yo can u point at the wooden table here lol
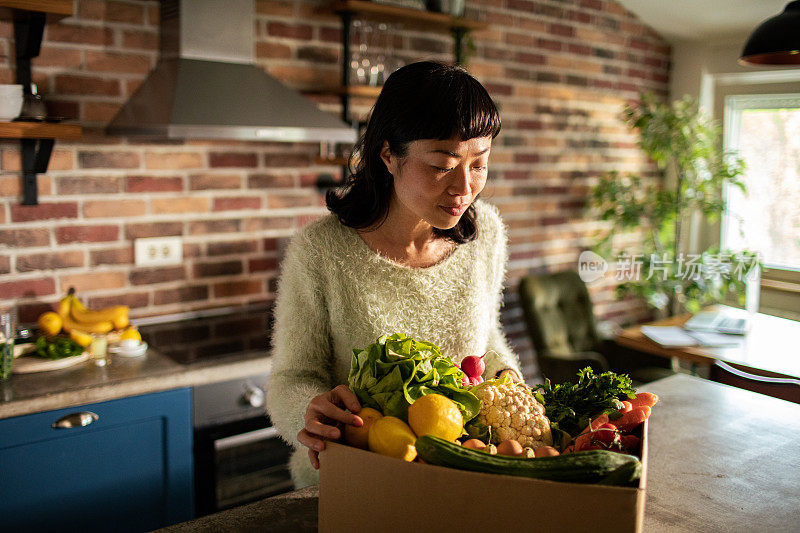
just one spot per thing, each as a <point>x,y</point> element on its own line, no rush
<point>772,345</point>
<point>721,459</point>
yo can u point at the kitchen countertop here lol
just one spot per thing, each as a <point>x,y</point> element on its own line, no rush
<point>123,376</point>
<point>720,459</point>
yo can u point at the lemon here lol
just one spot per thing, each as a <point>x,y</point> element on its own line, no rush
<point>359,437</point>
<point>131,333</point>
<point>50,323</point>
<point>391,436</point>
<point>437,415</point>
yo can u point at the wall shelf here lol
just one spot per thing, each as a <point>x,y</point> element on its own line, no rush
<point>54,8</point>
<point>39,130</point>
<point>398,13</point>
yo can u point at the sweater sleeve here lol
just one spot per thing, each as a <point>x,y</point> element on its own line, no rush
<point>500,356</point>
<point>301,351</point>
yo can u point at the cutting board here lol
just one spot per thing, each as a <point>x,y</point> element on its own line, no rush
<point>28,364</point>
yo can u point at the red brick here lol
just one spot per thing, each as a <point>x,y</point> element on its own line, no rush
<point>5,264</point>
<point>268,181</point>
<point>273,51</point>
<point>11,186</point>
<point>330,35</point>
<point>44,211</point>
<point>146,40</point>
<point>21,238</point>
<point>88,185</point>
<point>290,31</point>
<point>54,56</point>
<point>262,264</point>
<point>100,61</point>
<point>50,261</point>
<point>153,229</point>
<point>28,288</point>
<point>86,85</point>
<point>237,288</point>
<point>100,111</point>
<point>291,199</point>
<point>286,160</point>
<point>132,300</point>
<point>181,205</point>
<point>92,9</point>
<point>153,184</point>
<point>275,7</point>
<point>181,295</point>
<point>28,313</point>
<point>233,159</point>
<point>200,182</point>
<point>269,223</point>
<point>204,227</point>
<point>124,12</point>
<point>70,33</point>
<point>92,281</point>
<point>226,268</point>
<point>111,159</point>
<point>231,247</point>
<point>173,160</point>
<point>68,234</point>
<point>235,203</point>
<point>114,208</point>
<point>111,256</point>
<point>147,276</point>
<point>561,30</point>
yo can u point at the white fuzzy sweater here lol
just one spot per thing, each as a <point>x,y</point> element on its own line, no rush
<point>336,294</point>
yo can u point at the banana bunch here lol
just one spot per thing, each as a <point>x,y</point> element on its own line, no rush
<point>80,321</point>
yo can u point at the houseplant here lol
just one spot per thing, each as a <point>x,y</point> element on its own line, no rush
<point>693,171</point>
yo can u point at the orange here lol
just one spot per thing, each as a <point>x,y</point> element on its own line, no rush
<point>359,436</point>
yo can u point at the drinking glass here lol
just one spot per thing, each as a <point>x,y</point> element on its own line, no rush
<point>6,344</point>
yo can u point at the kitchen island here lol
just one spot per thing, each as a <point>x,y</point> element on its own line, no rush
<point>721,459</point>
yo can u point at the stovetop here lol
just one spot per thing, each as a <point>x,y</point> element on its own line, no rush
<point>189,340</point>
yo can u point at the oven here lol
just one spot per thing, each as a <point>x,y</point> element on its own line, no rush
<point>238,455</point>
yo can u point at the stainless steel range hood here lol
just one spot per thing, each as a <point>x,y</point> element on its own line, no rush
<point>206,84</point>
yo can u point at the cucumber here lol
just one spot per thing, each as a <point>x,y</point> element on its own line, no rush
<point>589,466</point>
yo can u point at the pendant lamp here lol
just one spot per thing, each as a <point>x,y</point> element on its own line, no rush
<point>776,41</point>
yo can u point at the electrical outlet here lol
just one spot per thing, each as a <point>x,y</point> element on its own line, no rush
<point>158,251</point>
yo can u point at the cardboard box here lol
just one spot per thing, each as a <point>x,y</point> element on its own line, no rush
<point>364,491</point>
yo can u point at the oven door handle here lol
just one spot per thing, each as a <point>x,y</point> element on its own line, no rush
<point>245,438</point>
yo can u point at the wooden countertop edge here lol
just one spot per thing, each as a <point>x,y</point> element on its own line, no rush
<point>185,377</point>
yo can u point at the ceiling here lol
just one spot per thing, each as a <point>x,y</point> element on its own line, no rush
<point>704,20</point>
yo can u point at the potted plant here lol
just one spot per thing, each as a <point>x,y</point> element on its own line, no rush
<point>693,171</point>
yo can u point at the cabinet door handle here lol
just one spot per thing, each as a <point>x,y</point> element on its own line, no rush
<point>75,420</point>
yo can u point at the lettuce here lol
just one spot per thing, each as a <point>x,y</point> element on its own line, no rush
<point>392,373</point>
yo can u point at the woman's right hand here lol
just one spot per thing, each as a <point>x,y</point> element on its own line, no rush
<point>322,415</point>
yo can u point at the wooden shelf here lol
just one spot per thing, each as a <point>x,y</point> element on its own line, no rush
<point>39,130</point>
<point>365,91</point>
<point>405,14</point>
<point>56,8</point>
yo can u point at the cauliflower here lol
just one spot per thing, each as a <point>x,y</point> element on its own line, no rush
<point>511,411</point>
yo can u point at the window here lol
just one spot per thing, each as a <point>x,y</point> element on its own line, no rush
<point>765,131</point>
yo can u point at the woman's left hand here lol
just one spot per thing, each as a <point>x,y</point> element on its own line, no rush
<point>513,373</point>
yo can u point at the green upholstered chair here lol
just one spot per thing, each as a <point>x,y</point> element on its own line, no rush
<point>560,321</point>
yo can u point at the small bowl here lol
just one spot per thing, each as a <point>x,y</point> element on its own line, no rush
<point>129,348</point>
<point>10,106</point>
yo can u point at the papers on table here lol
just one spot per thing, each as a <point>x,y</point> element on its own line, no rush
<point>673,336</point>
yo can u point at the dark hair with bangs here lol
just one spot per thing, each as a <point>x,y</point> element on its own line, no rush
<point>424,100</point>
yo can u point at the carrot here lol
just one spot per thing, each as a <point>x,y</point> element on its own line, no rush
<point>626,406</point>
<point>633,418</point>
<point>585,438</point>
<point>644,399</point>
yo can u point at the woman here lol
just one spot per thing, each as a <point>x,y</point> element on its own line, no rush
<point>407,249</point>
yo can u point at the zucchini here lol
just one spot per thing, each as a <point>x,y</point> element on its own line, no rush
<point>589,466</point>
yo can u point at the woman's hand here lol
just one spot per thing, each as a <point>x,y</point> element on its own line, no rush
<point>323,413</point>
<point>512,373</point>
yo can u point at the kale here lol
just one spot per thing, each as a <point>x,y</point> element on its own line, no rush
<point>571,406</point>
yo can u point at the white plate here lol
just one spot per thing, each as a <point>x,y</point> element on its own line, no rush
<point>129,352</point>
<point>29,364</point>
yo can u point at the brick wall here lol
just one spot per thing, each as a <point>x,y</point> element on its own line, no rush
<point>559,70</point>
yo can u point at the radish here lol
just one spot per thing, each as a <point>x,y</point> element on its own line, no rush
<point>473,365</point>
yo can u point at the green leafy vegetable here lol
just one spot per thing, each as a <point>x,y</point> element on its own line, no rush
<point>57,347</point>
<point>571,406</point>
<point>392,373</point>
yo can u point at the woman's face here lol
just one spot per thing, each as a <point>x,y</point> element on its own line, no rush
<point>437,180</point>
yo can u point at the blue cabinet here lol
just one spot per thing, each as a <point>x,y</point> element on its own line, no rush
<point>130,469</point>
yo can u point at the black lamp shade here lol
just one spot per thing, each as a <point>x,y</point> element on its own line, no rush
<point>776,41</point>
